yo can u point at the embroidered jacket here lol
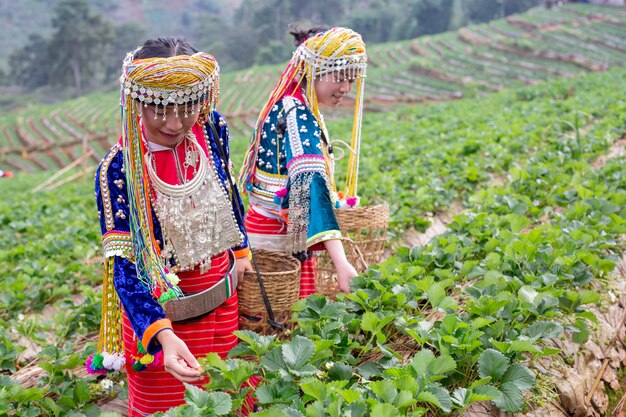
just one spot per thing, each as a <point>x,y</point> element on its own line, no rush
<point>144,312</point>
<point>292,175</point>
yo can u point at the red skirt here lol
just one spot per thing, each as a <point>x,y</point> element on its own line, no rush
<point>256,222</point>
<point>155,389</point>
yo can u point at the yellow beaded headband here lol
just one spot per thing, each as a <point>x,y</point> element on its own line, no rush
<point>191,81</point>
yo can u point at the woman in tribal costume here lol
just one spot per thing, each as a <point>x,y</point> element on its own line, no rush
<point>289,166</point>
<point>171,226</point>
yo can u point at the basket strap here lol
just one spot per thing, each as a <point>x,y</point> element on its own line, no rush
<point>266,300</point>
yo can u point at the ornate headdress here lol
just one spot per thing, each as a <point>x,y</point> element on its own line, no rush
<point>338,52</point>
<point>190,84</point>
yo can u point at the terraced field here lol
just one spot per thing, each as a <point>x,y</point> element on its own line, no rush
<point>540,45</point>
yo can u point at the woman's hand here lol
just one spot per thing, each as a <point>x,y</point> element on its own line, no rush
<point>345,273</point>
<point>177,358</point>
<point>242,265</point>
<point>345,270</point>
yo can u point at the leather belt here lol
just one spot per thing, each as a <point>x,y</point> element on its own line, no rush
<point>194,305</point>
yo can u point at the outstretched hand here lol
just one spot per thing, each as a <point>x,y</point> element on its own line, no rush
<point>177,358</point>
<point>345,272</point>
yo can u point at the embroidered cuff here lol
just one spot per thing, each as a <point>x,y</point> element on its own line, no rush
<point>147,341</point>
<point>241,253</point>
<point>116,243</point>
<point>322,237</point>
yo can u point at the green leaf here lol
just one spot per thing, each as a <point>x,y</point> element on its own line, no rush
<point>241,372</point>
<point>460,397</point>
<point>214,360</point>
<point>291,412</point>
<point>421,361</point>
<point>510,399</point>
<point>369,370</point>
<point>52,406</point>
<point>582,334</point>
<point>316,389</point>
<point>428,397</point>
<point>480,322</point>
<point>403,400</point>
<point>520,376</point>
<point>543,330</point>
<point>349,395</point>
<point>369,322</point>
<point>278,392</point>
<point>221,403</point>
<point>527,294</point>
<point>273,360</point>
<point>81,392</point>
<point>306,370</point>
<point>436,294</point>
<point>442,395</point>
<point>196,396</point>
<point>340,371</point>
<point>488,390</point>
<point>523,345</point>
<point>442,365</point>
<point>385,389</point>
<point>588,297</point>
<point>297,353</point>
<point>67,402</point>
<point>492,364</point>
<point>407,383</point>
<point>385,410</point>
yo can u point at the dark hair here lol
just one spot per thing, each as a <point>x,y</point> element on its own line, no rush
<point>164,48</point>
<point>300,35</point>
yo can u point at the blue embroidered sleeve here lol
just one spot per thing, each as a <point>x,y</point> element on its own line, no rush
<point>323,224</point>
<point>142,310</point>
<point>222,171</point>
<point>308,182</point>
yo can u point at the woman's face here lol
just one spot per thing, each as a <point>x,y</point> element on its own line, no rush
<point>171,131</point>
<point>330,90</point>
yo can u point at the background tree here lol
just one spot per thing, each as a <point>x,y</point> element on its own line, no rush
<point>28,63</point>
<point>126,37</point>
<point>77,45</point>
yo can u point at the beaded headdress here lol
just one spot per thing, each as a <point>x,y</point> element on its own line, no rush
<point>189,82</point>
<point>190,85</point>
<point>338,52</point>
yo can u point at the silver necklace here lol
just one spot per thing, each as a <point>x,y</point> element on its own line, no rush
<point>196,217</point>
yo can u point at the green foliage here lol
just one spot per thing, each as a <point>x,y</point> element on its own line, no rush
<point>432,329</point>
<point>438,327</point>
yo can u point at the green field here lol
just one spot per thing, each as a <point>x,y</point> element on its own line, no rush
<point>524,153</point>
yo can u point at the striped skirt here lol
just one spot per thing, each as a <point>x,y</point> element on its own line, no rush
<point>257,223</point>
<point>155,389</point>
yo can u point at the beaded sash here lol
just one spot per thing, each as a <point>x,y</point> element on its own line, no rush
<point>196,217</point>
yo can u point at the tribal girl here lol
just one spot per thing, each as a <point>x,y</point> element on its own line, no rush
<point>289,166</point>
<point>172,229</point>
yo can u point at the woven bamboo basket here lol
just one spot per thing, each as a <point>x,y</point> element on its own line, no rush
<point>365,232</point>
<point>281,279</point>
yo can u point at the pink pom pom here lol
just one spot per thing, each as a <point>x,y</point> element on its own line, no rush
<point>282,193</point>
<point>92,371</point>
<point>351,201</point>
<point>158,358</point>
